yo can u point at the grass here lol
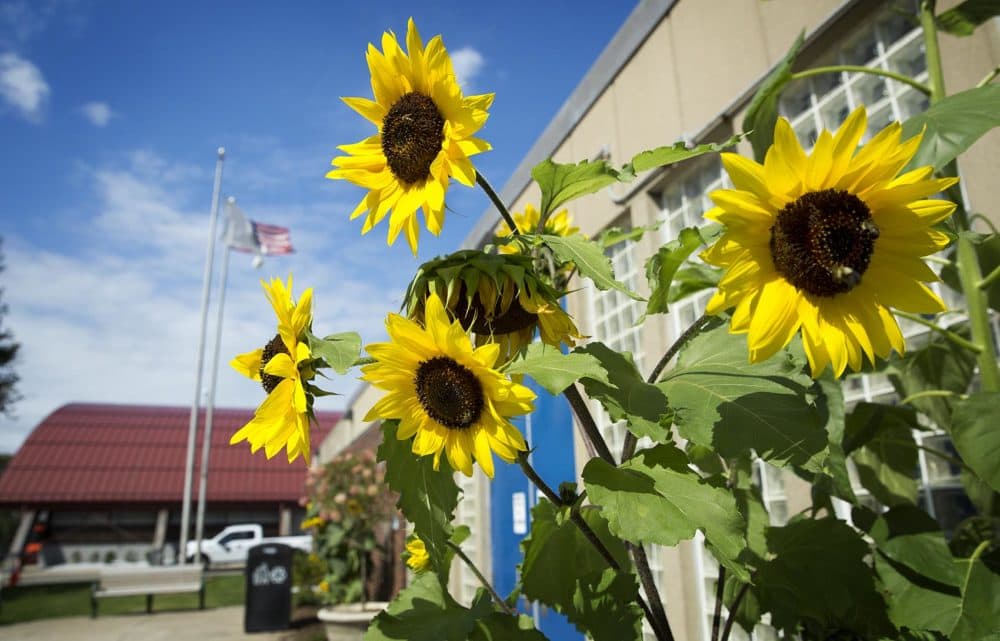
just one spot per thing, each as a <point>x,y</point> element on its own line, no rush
<point>22,604</point>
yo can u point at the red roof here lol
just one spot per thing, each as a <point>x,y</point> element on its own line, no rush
<point>90,453</point>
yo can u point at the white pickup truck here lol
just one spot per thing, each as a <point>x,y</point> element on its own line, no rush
<point>230,546</point>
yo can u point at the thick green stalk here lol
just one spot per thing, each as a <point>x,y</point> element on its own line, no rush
<point>873,71</point>
<point>932,49</point>
<point>979,320</point>
<point>497,202</point>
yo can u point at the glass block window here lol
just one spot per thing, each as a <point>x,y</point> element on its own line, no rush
<point>683,203</point>
<point>613,322</point>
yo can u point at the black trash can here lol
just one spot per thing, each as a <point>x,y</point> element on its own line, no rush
<point>268,604</point>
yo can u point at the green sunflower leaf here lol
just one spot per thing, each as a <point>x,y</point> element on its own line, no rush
<point>561,183</point>
<point>589,258</point>
<point>692,279</point>
<point>503,627</point>
<point>762,114</point>
<point>818,578</point>
<point>976,437</point>
<point>721,400</point>
<point>662,266</point>
<point>953,124</point>
<point>979,619</point>
<point>625,395</point>
<point>339,351</point>
<point>670,154</point>
<point>656,498</point>
<point>612,236</point>
<point>939,365</point>
<point>424,611</point>
<point>963,19</point>
<point>919,577</point>
<point>427,497</point>
<point>554,370</point>
<point>880,440</point>
<point>563,570</point>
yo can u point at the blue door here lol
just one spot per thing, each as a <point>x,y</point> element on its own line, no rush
<point>549,431</point>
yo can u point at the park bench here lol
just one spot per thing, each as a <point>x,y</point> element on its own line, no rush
<point>128,581</point>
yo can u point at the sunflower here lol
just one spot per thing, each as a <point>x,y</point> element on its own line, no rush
<point>558,224</point>
<point>417,557</point>
<point>499,298</point>
<point>282,420</point>
<point>445,393</point>
<point>425,136</point>
<point>827,243</point>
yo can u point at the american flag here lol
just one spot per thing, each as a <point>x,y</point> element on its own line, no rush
<point>272,239</point>
<point>245,235</point>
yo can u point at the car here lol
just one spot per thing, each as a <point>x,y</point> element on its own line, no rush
<point>230,546</point>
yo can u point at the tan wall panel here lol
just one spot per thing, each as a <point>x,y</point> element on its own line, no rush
<point>782,20</point>
<point>718,51</point>
<point>646,98</point>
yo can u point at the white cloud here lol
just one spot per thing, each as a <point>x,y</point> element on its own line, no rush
<point>116,317</point>
<point>467,63</point>
<point>98,113</point>
<point>22,86</point>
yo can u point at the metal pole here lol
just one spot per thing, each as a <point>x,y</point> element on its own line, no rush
<point>193,424</point>
<point>206,444</point>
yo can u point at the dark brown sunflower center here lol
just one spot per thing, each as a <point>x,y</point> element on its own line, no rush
<point>823,242</point>
<point>274,347</point>
<point>412,133</point>
<point>449,392</point>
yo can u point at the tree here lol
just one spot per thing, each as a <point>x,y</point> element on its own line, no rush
<point>8,352</point>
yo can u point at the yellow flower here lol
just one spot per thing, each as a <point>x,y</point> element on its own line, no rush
<point>558,224</point>
<point>445,394</point>
<point>417,558</point>
<point>827,243</point>
<point>282,420</point>
<point>311,523</point>
<point>425,136</point>
<point>324,586</point>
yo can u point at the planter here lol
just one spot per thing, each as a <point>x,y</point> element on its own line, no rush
<point>348,621</point>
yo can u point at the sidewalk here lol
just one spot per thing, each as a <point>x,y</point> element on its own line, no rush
<point>218,624</point>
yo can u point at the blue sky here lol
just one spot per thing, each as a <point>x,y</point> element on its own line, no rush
<point>110,115</point>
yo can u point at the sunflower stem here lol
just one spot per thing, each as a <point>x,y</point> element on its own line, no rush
<point>497,202</point>
<point>482,579</point>
<point>988,78</point>
<point>588,533</point>
<point>971,275</point>
<point>816,71</point>
<point>928,393</point>
<point>657,617</point>
<point>947,333</point>
<point>720,584</point>
<point>993,277</point>
<point>588,424</point>
<point>732,611</point>
<point>631,441</point>
<point>932,48</point>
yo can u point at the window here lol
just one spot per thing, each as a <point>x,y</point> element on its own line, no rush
<point>613,322</point>
<point>683,203</point>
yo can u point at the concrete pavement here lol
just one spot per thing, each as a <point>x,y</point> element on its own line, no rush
<point>217,624</point>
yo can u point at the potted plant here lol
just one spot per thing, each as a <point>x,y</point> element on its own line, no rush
<point>349,511</point>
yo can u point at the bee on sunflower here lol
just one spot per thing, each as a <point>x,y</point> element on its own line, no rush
<point>446,394</point>
<point>282,419</point>
<point>499,298</point>
<point>425,136</point>
<point>827,243</point>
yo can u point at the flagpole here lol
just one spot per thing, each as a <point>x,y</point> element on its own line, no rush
<point>193,423</point>
<point>206,443</point>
